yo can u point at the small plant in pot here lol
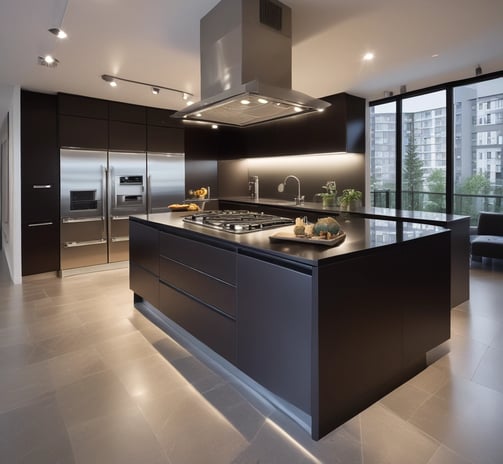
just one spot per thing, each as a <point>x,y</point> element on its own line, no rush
<point>329,195</point>
<point>350,198</point>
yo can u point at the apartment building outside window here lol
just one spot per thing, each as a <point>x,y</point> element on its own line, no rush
<point>461,175</point>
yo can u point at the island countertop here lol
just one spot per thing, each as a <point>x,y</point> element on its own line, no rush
<point>362,235</point>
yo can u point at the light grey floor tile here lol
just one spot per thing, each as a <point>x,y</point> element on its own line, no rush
<point>21,386</point>
<point>489,371</point>
<point>467,418</point>
<point>387,439</point>
<point>431,379</point>
<point>125,348</point>
<point>123,437</point>
<point>444,455</point>
<point>93,397</point>
<point>192,431</point>
<point>405,400</point>
<point>74,366</point>
<point>479,328</point>
<point>35,434</point>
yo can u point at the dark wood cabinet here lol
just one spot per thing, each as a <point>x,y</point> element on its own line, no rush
<point>165,139</point>
<point>78,132</point>
<point>162,117</point>
<point>340,128</point>
<point>40,247</point>
<point>39,183</point>
<point>86,107</point>
<point>127,136</point>
<point>127,113</point>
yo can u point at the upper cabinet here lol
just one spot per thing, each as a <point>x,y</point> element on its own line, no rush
<point>340,128</point>
<point>83,122</point>
<point>126,112</point>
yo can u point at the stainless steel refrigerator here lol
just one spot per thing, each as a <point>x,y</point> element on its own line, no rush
<point>100,190</point>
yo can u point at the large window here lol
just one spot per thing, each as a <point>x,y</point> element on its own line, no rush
<point>383,155</point>
<point>429,155</point>
<point>424,152</point>
<point>478,144</point>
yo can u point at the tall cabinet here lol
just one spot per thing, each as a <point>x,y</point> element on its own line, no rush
<point>39,183</point>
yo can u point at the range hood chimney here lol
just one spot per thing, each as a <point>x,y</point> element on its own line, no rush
<point>246,66</point>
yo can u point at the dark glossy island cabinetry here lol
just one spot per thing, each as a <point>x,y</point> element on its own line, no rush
<point>327,330</point>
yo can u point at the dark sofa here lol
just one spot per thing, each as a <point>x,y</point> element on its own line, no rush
<point>488,240</point>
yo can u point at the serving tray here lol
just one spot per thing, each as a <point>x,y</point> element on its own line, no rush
<point>337,240</point>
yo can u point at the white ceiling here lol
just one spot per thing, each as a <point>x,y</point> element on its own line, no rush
<point>157,41</point>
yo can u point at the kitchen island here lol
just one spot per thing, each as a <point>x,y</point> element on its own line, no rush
<point>326,330</point>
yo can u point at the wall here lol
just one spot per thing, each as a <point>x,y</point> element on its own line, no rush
<point>348,170</point>
<point>11,193</point>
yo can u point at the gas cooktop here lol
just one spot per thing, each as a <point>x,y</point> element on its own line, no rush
<point>237,221</point>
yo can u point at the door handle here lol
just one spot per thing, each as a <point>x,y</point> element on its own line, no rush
<point>76,220</point>
<point>39,224</point>
<point>120,239</point>
<point>86,243</point>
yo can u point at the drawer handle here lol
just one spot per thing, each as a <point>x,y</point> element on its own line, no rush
<point>120,218</point>
<point>75,220</point>
<point>87,243</point>
<point>120,239</point>
<point>40,186</point>
<point>39,224</point>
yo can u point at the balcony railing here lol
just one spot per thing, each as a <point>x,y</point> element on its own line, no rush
<point>464,203</point>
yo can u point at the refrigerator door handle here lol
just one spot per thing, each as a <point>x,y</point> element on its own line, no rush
<point>104,198</point>
<point>87,219</point>
<point>120,239</point>
<point>39,186</point>
<point>85,243</point>
<point>120,218</point>
<point>149,194</point>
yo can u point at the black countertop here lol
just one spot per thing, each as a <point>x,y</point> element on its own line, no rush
<point>376,213</point>
<point>362,235</point>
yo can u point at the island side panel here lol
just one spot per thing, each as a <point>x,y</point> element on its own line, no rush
<point>274,328</point>
<point>379,313</point>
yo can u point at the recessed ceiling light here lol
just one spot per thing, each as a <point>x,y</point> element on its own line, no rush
<point>198,115</point>
<point>435,55</point>
<point>297,109</point>
<point>263,101</point>
<point>48,60</point>
<point>369,56</point>
<point>58,32</point>
<point>214,126</point>
<point>245,102</point>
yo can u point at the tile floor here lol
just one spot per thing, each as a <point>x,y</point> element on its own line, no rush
<point>85,378</point>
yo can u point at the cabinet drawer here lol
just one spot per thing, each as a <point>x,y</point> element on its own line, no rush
<point>144,246</point>
<point>211,260</point>
<point>144,283</point>
<point>40,247</point>
<point>213,329</point>
<point>203,287</point>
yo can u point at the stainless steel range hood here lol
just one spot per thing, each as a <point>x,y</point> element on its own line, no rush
<point>246,66</point>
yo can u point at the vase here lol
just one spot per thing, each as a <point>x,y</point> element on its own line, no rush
<point>328,201</point>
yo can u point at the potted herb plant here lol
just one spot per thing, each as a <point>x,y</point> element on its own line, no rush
<point>329,195</point>
<point>350,198</point>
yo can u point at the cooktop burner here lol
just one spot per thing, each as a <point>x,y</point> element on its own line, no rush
<point>237,221</point>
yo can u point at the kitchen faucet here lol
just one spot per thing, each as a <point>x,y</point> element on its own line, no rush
<point>299,199</point>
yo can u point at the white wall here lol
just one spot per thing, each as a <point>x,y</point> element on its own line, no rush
<point>11,231</point>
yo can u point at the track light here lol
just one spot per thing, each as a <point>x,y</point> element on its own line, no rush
<point>58,32</point>
<point>155,89</point>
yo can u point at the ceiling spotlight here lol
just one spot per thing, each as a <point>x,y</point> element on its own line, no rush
<point>263,101</point>
<point>368,56</point>
<point>111,81</point>
<point>198,115</point>
<point>48,60</point>
<point>245,102</point>
<point>214,126</point>
<point>58,32</point>
<point>156,90</point>
<point>297,109</point>
<point>185,96</point>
